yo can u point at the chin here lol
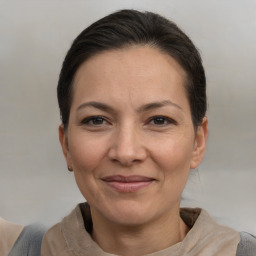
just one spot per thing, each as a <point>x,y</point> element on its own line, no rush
<point>130,219</point>
<point>130,214</point>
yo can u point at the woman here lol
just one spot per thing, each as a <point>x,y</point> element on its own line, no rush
<point>132,98</point>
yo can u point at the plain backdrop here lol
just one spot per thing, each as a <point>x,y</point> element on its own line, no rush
<point>35,185</point>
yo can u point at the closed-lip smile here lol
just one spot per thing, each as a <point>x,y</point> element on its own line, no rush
<point>127,184</point>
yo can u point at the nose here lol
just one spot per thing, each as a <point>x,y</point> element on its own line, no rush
<point>127,146</point>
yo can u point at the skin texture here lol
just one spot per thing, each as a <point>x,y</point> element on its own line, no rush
<point>130,116</point>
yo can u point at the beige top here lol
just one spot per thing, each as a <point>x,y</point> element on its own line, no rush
<point>206,237</point>
<point>9,232</point>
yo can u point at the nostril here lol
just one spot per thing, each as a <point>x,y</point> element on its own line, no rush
<point>126,147</point>
<point>127,159</point>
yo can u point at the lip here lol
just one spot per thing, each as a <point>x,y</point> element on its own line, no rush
<point>128,184</point>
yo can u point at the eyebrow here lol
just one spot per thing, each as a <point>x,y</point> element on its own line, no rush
<point>98,105</point>
<point>144,108</point>
<point>154,105</point>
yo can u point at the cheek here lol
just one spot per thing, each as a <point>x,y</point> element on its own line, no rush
<point>172,159</point>
<point>86,153</point>
<point>174,155</point>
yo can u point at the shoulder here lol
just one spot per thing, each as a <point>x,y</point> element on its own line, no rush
<point>68,236</point>
<point>29,241</point>
<point>53,242</point>
<point>53,235</point>
<point>9,232</point>
<point>57,238</point>
<point>247,245</point>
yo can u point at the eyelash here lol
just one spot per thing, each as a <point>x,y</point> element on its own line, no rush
<point>165,119</point>
<point>92,121</point>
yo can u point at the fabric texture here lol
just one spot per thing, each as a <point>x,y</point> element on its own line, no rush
<point>206,237</point>
<point>9,232</point>
<point>29,241</point>
<point>247,245</point>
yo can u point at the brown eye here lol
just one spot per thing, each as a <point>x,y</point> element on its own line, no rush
<point>94,120</point>
<point>161,120</point>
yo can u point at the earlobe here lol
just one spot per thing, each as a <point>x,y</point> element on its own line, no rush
<point>200,144</point>
<point>64,144</point>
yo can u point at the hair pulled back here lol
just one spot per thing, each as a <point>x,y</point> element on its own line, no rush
<point>130,27</point>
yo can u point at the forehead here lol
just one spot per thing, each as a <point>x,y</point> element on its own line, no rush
<point>142,54</point>
<point>143,70</point>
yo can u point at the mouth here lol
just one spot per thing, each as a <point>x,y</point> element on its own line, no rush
<point>127,184</point>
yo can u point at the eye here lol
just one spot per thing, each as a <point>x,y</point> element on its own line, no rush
<point>94,121</point>
<point>161,120</point>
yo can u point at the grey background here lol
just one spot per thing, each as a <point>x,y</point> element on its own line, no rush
<point>34,37</point>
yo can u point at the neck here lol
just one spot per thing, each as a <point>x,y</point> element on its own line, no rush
<point>140,239</point>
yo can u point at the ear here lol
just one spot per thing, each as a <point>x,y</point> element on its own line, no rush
<point>64,144</point>
<point>200,144</point>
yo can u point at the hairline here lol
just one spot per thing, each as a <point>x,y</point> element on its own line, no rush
<point>150,44</point>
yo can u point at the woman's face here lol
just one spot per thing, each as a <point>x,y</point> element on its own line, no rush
<point>130,138</point>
